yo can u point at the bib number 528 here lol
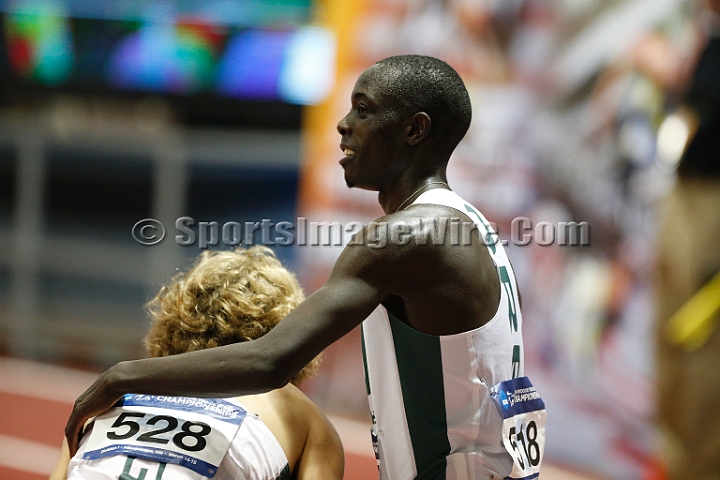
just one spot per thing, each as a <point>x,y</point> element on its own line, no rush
<point>189,436</point>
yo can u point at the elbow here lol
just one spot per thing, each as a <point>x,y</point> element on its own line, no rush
<point>276,370</point>
<point>283,372</point>
<point>276,376</point>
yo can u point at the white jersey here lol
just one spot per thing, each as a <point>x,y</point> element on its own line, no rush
<point>178,438</point>
<point>430,396</point>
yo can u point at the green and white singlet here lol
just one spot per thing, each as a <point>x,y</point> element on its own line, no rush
<point>433,416</point>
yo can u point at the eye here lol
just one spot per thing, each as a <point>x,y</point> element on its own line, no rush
<point>361,109</point>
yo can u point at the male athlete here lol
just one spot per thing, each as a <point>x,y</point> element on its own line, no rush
<point>450,326</point>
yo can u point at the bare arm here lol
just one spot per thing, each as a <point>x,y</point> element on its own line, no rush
<point>60,472</point>
<point>323,455</point>
<point>358,283</point>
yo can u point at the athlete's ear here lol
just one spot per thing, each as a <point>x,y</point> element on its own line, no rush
<point>419,128</point>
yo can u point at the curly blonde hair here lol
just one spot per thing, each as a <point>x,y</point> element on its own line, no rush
<point>226,297</point>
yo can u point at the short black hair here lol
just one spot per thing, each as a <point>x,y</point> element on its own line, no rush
<point>419,83</point>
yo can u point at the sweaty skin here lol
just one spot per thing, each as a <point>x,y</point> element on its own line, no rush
<point>420,284</point>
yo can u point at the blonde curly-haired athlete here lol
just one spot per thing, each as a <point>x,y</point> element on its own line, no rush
<point>227,297</point>
<point>230,297</point>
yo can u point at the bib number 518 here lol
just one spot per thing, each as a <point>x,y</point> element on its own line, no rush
<point>524,443</point>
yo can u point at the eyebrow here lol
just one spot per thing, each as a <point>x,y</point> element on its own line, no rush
<point>371,102</point>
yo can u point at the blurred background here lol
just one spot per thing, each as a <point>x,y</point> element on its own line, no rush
<point>114,111</point>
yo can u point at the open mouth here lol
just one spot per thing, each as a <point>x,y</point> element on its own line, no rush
<point>349,153</point>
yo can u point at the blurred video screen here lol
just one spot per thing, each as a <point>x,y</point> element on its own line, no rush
<point>266,50</point>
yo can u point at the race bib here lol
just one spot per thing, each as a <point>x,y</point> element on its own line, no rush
<point>523,429</point>
<point>192,432</point>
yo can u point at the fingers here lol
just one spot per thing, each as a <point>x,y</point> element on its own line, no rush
<point>74,425</point>
<point>72,433</point>
<point>96,399</point>
<point>77,420</point>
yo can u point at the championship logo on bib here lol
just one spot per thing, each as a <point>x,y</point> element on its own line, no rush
<point>523,430</point>
<point>192,432</point>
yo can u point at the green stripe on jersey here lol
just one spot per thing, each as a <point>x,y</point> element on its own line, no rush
<point>364,356</point>
<point>285,474</point>
<point>419,361</point>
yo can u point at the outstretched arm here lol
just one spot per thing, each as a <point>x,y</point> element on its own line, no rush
<point>357,284</point>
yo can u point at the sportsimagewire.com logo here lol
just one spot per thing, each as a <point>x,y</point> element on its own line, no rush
<point>303,232</point>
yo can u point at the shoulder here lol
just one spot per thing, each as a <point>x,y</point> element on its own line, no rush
<point>394,251</point>
<point>322,454</point>
<point>292,407</point>
<point>419,230</point>
<point>418,225</point>
<point>300,407</point>
<point>296,422</point>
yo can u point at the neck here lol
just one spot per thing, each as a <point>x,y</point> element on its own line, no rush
<point>404,193</point>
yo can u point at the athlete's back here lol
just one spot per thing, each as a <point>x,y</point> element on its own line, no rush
<point>281,433</point>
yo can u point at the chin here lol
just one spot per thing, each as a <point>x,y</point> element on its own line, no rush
<point>353,182</point>
<point>349,181</point>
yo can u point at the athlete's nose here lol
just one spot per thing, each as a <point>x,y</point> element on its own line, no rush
<point>343,127</point>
